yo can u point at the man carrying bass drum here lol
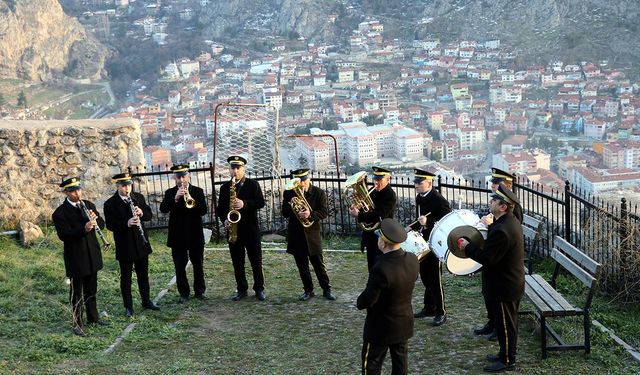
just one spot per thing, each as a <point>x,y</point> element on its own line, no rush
<point>431,206</point>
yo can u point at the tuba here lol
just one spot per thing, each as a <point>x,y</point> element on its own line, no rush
<point>233,216</point>
<point>298,202</point>
<point>359,196</point>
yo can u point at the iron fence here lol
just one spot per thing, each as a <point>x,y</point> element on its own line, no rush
<point>606,232</point>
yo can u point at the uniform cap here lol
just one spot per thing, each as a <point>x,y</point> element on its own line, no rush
<point>180,169</point>
<point>505,194</point>
<point>421,175</point>
<point>236,160</point>
<point>391,231</point>
<point>71,184</point>
<point>379,172</point>
<point>122,179</point>
<point>498,176</point>
<point>302,174</point>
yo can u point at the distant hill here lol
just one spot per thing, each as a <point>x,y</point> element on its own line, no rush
<point>39,42</point>
<point>540,29</point>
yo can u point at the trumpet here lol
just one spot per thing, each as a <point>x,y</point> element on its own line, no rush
<point>87,213</point>
<point>189,202</point>
<point>299,202</point>
<point>361,196</point>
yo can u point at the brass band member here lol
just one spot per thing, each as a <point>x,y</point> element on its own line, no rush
<point>384,200</point>
<point>498,177</point>
<point>247,202</point>
<point>430,207</point>
<point>304,241</point>
<point>82,256</point>
<point>502,262</point>
<point>186,204</point>
<point>387,298</point>
<point>124,213</point>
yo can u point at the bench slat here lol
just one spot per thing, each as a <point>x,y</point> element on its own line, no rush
<point>578,256</point>
<point>541,288</point>
<point>566,308</point>
<point>529,233</point>
<point>582,275</point>
<point>535,298</point>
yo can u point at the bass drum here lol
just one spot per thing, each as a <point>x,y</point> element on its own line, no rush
<point>416,244</point>
<point>438,240</point>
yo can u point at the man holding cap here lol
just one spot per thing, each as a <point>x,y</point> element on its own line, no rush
<point>384,201</point>
<point>82,256</point>
<point>502,259</point>
<point>247,202</point>
<point>124,213</point>
<point>387,298</point>
<point>430,207</point>
<point>186,204</point>
<point>305,242</point>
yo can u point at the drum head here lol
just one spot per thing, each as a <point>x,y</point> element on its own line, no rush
<point>471,233</point>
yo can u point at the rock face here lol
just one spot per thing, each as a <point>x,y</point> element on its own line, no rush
<point>36,155</point>
<point>38,42</point>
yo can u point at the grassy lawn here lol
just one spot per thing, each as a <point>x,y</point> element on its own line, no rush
<point>278,336</point>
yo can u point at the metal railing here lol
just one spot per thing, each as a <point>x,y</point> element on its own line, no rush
<point>606,232</point>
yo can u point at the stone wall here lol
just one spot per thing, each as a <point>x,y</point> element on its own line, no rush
<point>35,156</point>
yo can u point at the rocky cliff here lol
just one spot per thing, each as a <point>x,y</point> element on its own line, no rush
<point>38,42</point>
<point>36,155</point>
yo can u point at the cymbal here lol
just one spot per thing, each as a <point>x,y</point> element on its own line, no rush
<point>472,234</point>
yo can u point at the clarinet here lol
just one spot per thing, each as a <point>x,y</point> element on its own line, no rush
<point>133,212</point>
<point>87,213</point>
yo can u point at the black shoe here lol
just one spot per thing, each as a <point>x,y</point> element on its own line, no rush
<point>183,299</point>
<point>129,313</point>
<point>484,330</point>
<point>493,336</point>
<point>328,295</point>
<point>101,323</point>
<point>423,314</point>
<point>239,296</point>
<point>150,305</point>
<point>201,297</point>
<point>306,296</point>
<point>492,358</point>
<point>499,367</point>
<point>439,320</point>
<point>77,330</point>
<point>260,295</point>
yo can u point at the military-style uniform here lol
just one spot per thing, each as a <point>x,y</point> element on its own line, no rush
<point>185,236</point>
<point>387,298</point>
<point>502,260</point>
<point>436,206</point>
<point>384,202</point>
<point>82,255</point>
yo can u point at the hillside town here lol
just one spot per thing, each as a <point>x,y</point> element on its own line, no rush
<point>465,105</point>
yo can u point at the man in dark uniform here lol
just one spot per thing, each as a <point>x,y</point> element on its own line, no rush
<point>502,260</point>
<point>186,238</point>
<point>82,256</point>
<point>430,207</point>
<point>387,298</point>
<point>248,201</point>
<point>498,177</point>
<point>132,243</point>
<point>384,201</point>
<point>304,241</point>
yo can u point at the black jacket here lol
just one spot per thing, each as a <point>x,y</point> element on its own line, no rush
<point>250,193</point>
<point>384,202</point>
<point>185,224</point>
<point>387,298</point>
<point>82,256</point>
<point>433,204</point>
<point>128,240</point>
<point>296,233</point>
<point>502,259</point>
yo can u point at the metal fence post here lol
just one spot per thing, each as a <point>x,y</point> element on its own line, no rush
<point>567,211</point>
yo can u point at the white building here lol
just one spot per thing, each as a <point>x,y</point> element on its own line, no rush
<point>318,153</point>
<point>594,181</point>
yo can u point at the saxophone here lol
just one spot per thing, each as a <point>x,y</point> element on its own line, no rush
<point>233,216</point>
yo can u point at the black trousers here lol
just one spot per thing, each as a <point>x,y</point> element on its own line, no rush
<point>303,258</point>
<point>373,357</point>
<point>142,275</point>
<point>82,294</point>
<point>491,319</point>
<point>506,323</point>
<point>180,259</point>
<point>370,245</point>
<point>431,276</point>
<point>253,250</point>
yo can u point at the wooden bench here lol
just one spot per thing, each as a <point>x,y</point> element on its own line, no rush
<point>532,229</point>
<point>549,303</point>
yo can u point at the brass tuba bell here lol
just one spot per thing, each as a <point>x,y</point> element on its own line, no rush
<point>357,193</point>
<point>299,202</point>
